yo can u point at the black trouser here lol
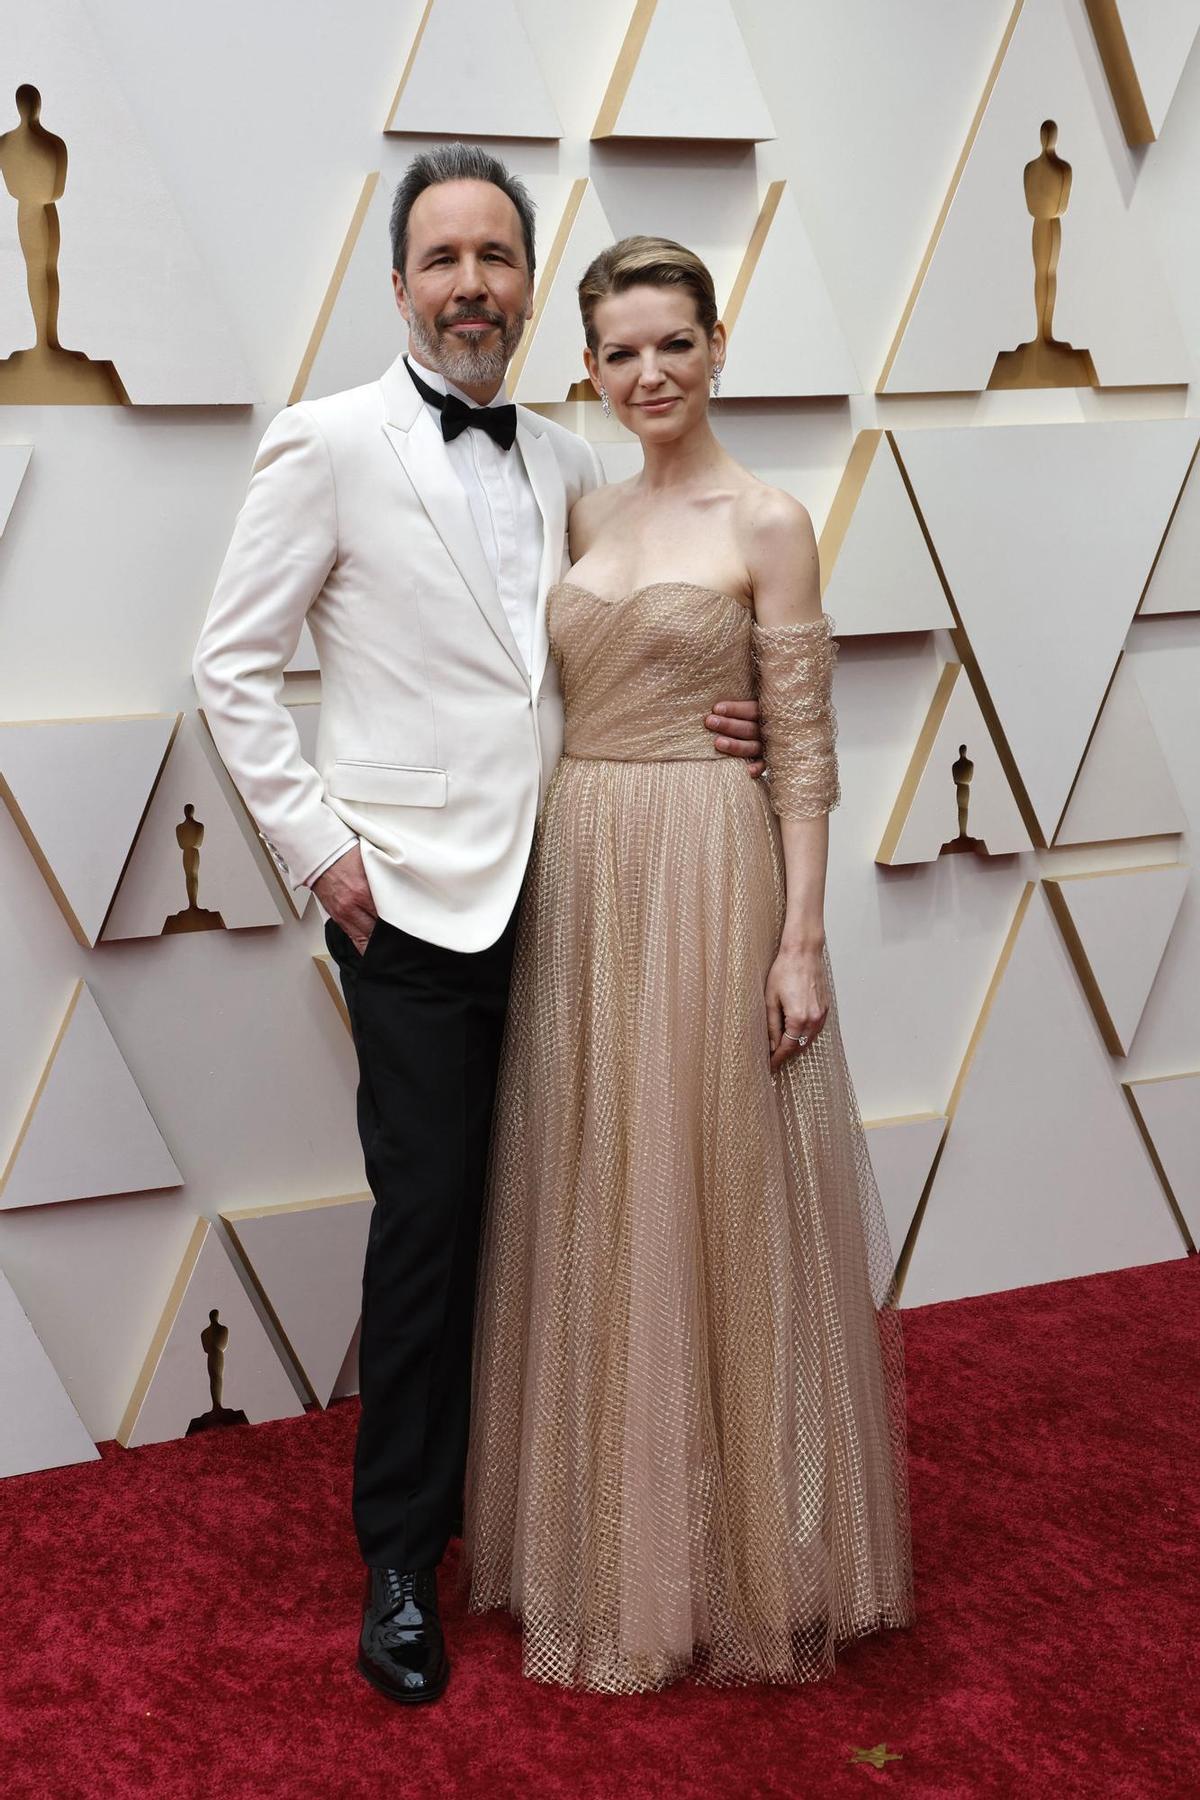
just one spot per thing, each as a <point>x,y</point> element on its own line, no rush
<point>427,1026</point>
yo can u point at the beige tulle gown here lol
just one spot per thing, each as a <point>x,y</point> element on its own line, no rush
<point>688,1446</point>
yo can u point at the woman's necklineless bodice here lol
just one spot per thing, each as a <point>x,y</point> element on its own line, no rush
<point>640,672</point>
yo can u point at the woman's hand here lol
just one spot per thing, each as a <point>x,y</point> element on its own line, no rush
<point>797,996</point>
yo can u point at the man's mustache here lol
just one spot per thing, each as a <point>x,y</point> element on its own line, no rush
<point>445,320</point>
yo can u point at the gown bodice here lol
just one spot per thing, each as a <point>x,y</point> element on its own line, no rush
<point>639,674</point>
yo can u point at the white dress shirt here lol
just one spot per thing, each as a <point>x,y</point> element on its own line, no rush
<point>504,510</point>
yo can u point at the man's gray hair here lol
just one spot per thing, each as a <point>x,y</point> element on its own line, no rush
<point>455,162</point>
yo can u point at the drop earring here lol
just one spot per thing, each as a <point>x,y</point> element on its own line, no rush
<point>605,403</point>
<point>716,379</point>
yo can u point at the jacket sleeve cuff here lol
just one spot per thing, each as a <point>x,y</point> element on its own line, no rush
<point>308,880</point>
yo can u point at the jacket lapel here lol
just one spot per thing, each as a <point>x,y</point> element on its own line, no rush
<point>418,444</point>
<point>545,478</point>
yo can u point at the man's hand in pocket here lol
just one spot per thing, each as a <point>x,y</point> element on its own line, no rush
<point>345,893</point>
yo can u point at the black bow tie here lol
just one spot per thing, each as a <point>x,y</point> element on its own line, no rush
<point>500,422</point>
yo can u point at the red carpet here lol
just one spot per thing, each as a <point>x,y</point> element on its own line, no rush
<point>179,1621</point>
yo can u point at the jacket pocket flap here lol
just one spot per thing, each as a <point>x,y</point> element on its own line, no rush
<point>386,784</point>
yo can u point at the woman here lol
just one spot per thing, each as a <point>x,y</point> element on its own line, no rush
<point>688,1438</point>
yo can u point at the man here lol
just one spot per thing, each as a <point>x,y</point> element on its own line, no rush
<point>417,527</point>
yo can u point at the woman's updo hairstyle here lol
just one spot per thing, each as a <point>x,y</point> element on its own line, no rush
<point>646,262</point>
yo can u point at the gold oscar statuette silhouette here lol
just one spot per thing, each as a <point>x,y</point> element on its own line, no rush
<point>33,163</point>
<point>962,770</point>
<point>1044,361</point>
<point>189,835</point>
<point>213,1340</point>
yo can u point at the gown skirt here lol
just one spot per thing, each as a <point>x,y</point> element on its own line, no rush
<point>688,1439</point>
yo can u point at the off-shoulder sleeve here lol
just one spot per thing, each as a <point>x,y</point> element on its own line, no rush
<point>794,664</point>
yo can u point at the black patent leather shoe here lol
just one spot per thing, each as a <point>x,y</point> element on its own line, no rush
<point>402,1651</point>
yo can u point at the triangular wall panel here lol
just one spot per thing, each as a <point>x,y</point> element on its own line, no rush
<point>307,1260</point>
<point>876,571</point>
<point>549,358</point>
<point>925,817</point>
<point>78,789</point>
<point>39,1427</point>
<point>133,291</point>
<point>1046,534</point>
<point>87,1130</point>
<point>1124,788</point>
<point>472,73</point>
<point>974,292</point>
<point>763,359</point>
<point>1115,925</point>
<point>154,887</point>
<point>1043,1175</point>
<point>174,1386</point>
<point>684,72</point>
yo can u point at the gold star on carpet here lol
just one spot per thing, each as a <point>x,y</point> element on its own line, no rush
<point>877,1756</point>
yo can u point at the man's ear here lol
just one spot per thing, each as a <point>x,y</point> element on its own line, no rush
<point>401,293</point>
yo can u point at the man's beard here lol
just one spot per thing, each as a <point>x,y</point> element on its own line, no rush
<point>460,359</point>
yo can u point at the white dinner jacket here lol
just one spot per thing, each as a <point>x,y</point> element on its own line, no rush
<point>435,742</point>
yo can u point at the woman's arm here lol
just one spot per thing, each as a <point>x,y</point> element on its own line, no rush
<point>794,655</point>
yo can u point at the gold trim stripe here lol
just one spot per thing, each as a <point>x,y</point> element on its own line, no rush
<point>162,1331</point>
<point>1156,1162</point>
<point>618,83</point>
<point>1060,907</point>
<point>906,1252</point>
<point>40,1089</point>
<point>1163,541</point>
<point>549,274</point>
<point>1113,46</point>
<point>325,969</point>
<point>408,67</point>
<point>335,285</point>
<point>231,1220</point>
<point>758,237</point>
<point>918,762</point>
<point>849,493</point>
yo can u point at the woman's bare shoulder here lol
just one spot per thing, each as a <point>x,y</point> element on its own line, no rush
<point>776,537</point>
<point>771,513</point>
<point>592,511</point>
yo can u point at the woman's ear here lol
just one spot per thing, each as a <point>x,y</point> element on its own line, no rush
<point>718,343</point>
<point>593,369</point>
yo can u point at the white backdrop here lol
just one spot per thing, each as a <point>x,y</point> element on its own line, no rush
<point>263,120</point>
